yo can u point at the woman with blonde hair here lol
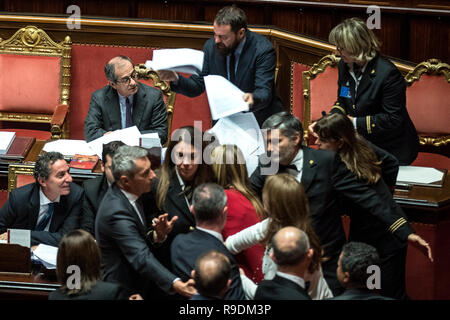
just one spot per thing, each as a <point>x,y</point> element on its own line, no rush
<point>372,91</point>
<point>285,204</point>
<point>78,252</point>
<point>244,207</point>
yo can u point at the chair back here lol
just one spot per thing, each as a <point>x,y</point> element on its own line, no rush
<point>20,175</point>
<point>320,85</point>
<point>35,79</point>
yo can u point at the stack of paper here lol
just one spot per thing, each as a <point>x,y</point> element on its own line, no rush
<point>242,130</point>
<point>6,138</point>
<point>69,147</point>
<point>224,97</point>
<point>130,136</point>
<point>47,255</point>
<point>179,60</point>
<point>412,175</point>
<point>150,140</point>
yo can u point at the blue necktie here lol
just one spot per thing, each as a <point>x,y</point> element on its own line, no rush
<point>41,225</point>
<point>128,116</point>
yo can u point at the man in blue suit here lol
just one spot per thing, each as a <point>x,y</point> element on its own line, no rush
<point>245,58</point>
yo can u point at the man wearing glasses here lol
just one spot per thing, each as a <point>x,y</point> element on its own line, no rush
<point>124,103</point>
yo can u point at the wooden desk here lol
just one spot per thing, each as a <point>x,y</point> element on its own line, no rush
<point>34,286</point>
<point>428,210</point>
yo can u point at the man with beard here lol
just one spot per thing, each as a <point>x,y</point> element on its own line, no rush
<point>124,103</point>
<point>245,58</point>
<point>325,178</point>
<point>50,207</point>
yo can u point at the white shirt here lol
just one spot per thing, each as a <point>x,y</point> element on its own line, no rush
<point>123,108</point>
<point>213,233</point>
<point>293,278</point>
<point>180,180</point>
<point>298,162</point>
<point>357,81</point>
<point>43,208</point>
<point>132,199</point>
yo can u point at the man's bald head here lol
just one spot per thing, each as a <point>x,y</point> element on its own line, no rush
<point>212,272</point>
<point>116,63</point>
<point>290,246</point>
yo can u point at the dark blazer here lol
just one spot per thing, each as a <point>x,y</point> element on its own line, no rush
<point>149,112</point>
<point>100,291</point>
<point>359,294</point>
<point>127,258</point>
<point>326,180</point>
<point>280,288</point>
<point>255,74</point>
<point>21,211</point>
<point>380,108</point>
<point>175,205</point>
<point>187,247</point>
<point>368,228</point>
<point>94,191</point>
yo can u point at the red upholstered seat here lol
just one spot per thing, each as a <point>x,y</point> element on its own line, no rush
<point>428,104</point>
<point>35,82</point>
<point>319,91</point>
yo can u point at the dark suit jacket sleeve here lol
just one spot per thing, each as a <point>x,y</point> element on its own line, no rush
<point>71,221</point>
<point>389,165</point>
<point>257,180</point>
<point>264,76</point>
<point>135,250</point>
<point>376,200</point>
<point>88,213</point>
<point>392,105</point>
<point>8,213</point>
<point>93,124</point>
<point>158,121</point>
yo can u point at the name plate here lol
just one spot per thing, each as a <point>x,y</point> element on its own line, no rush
<point>20,237</point>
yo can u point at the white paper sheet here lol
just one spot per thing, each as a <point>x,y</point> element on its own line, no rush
<point>412,174</point>
<point>47,255</point>
<point>224,97</point>
<point>178,60</point>
<point>242,130</point>
<point>6,138</point>
<point>130,136</point>
<point>150,140</point>
<point>69,147</point>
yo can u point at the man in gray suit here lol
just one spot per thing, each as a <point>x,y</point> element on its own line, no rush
<point>124,102</point>
<point>121,229</point>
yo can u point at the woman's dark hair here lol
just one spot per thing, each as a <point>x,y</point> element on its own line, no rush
<point>355,152</point>
<point>78,251</point>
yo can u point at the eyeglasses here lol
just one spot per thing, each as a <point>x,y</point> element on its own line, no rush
<point>127,80</point>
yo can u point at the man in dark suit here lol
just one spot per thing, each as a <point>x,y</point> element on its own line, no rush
<point>210,210</point>
<point>50,207</point>
<point>245,58</point>
<point>355,266</point>
<point>121,229</point>
<point>211,275</point>
<point>124,102</point>
<point>292,254</point>
<point>325,178</point>
<point>95,189</point>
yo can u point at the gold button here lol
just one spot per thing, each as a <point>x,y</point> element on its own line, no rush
<point>311,161</point>
<point>191,228</point>
<point>354,106</point>
<point>373,71</point>
<point>373,125</point>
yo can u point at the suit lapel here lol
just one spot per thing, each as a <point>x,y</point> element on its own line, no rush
<point>309,168</point>
<point>130,208</point>
<point>288,283</point>
<point>58,214</point>
<point>221,63</point>
<point>367,78</point>
<point>138,103</point>
<point>33,207</point>
<point>113,108</point>
<point>244,59</point>
<point>178,199</point>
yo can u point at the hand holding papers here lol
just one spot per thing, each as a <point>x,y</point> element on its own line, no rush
<point>224,97</point>
<point>178,60</point>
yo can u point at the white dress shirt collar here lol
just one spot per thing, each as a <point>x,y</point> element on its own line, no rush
<point>211,232</point>
<point>293,278</point>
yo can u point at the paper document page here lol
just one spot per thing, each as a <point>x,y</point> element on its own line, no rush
<point>178,60</point>
<point>47,255</point>
<point>129,136</point>
<point>224,97</point>
<point>69,147</point>
<point>424,175</point>
<point>6,138</point>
